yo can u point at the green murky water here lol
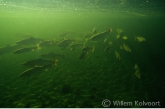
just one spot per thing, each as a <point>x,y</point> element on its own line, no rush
<point>96,77</point>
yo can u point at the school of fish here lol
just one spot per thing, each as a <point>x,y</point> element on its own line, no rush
<point>86,44</point>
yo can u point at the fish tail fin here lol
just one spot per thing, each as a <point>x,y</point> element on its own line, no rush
<point>93,49</point>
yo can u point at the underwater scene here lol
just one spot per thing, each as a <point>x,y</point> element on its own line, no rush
<point>82,53</point>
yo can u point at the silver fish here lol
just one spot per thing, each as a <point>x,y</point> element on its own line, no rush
<point>74,46</point>
<point>87,34</point>
<point>36,70</point>
<point>28,41</point>
<point>26,49</point>
<point>100,35</point>
<point>52,56</point>
<point>65,43</point>
<point>39,62</point>
<point>87,49</point>
<point>8,48</point>
<point>46,43</point>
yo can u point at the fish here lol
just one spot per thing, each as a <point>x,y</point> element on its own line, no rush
<point>8,49</point>
<point>28,41</point>
<point>75,45</point>
<point>87,34</point>
<point>136,67</point>
<point>65,43</point>
<point>140,39</point>
<point>117,55</point>
<point>64,34</point>
<point>46,43</point>
<point>31,71</point>
<point>52,56</point>
<point>105,40</point>
<point>119,31</point>
<point>87,49</point>
<point>26,49</point>
<point>137,71</point>
<point>83,55</point>
<point>39,62</point>
<point>34,70</point>
<point>110,42</point>
<point>125,37</point>
<point>125,47</point>
<point>100,35</point>
<point>117,36</point>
